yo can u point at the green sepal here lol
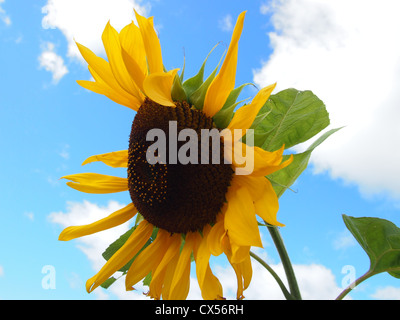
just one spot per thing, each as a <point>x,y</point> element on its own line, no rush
<point>183,69</point>
<point>198,96</point>
<point>177,91</point>
<point>224,116</point>
<point>194,83</point>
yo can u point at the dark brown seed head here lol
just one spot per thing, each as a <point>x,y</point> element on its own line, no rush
<point>174,196</point>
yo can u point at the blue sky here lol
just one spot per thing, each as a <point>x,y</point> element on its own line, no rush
<point>49,125</point>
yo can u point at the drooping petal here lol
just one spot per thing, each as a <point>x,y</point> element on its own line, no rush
<point>112,46</point>
<point>158,277</point>
<point>224,82</point>
<point>266,162</point>
<point>151,43</point>
<point>96,183</point>
<point>116,159</point>
<point>168,275</point>
<point>131,247</point>
<point>244,116</point>
<point>214,239</point>
<point>148,259</point>
<point>239,253</point>
<point>267,206</point>
<point>157,87</point>
<point>210,286</point>
<point>113,220</point>
<point>264,197</point>
<point>244,272</point>
<point>181,280</point>
<point>240,220</point>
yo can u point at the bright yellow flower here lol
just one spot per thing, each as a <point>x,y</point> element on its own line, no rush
<point>199,209</point>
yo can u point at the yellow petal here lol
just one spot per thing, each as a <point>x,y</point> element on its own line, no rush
<point>264,197</point>
<point>111,94</point>
<point>96,183</point>
<point>131,247</point>
<point>244,274</point>
<point>151,44</point>
<point>113,220</point>
<point>224,82</point>
<point>116,159</point>
<point>244,116</point>
<point>134,69</point>
<point>214,239</point>
<point>240,155</point>
<point>133,53</point>
<point>148,259</point>
<point>101,72</point>
<point>266,162</point>
<point>112,46</point>
<point>181,280</point>
<point>240,219</point>
<point>267,206</point>
<point>157,279</point>
<point>209,284</point>
<point>157,87</point>
<point>131,41</point>
<point>239,253</point>
<point>169,272</point>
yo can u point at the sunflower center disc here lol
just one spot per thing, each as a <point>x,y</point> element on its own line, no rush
<point>174,196</point>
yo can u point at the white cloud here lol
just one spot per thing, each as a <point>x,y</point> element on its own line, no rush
<point>226,23</point>
<point>3,15</point>
<point>52,62</point>
<point>345,52</point>
<point>84,21</point>
<point>1,271</point>
<point>387,293</point>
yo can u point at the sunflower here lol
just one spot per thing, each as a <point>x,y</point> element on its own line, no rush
<point>187,210</point>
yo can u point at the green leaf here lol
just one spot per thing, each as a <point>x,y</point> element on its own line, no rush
<point>282,179</point>
<point>295,116</point>
<point>380,239</point>
<point>106,284</point>
<point>147,280</point>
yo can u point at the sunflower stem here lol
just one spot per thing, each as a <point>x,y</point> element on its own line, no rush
<point>285,292</point>
<point>287,265</point>
<point>353,285</point>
